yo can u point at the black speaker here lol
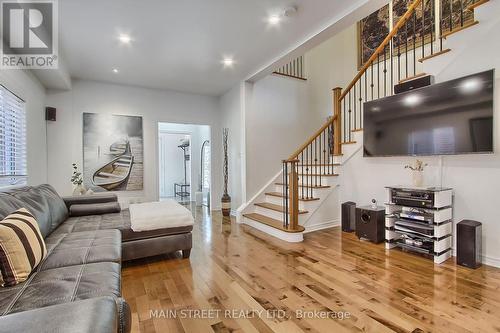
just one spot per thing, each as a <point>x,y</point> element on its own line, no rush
<point>469,237</point>
<point>420,82</point>
<point>370,223</point>
<point>50,113</point>
<point>349,216</point>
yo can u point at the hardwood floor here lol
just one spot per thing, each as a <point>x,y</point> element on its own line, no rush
<point>274,286</point>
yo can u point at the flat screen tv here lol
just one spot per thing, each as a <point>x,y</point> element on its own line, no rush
<point>453,117</point>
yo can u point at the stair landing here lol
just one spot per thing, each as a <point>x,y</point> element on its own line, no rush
<point>272,223</point>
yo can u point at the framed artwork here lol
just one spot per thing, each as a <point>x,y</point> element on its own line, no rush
<point>372,30</point>
<point>455,7</point>
<point>112,152</point>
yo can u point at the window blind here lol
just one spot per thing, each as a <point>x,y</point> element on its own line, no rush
<point>13,165</point>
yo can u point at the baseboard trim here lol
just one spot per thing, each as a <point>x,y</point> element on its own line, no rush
<point>321,226</point>
<point>485,260</point>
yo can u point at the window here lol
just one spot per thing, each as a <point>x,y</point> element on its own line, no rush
<point>12,139</point>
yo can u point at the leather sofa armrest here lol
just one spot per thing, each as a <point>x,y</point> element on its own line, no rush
<point>97,315</point>
<point>90,199</point>
<point>94,209</point>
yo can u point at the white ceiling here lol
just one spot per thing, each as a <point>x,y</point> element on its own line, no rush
<point>179,44</point>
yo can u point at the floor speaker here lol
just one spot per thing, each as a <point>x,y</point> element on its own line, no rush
<point>370,223</point>
<point>348,216</point>
<point>469,243</point>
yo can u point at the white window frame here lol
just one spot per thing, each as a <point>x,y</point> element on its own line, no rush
<point>13,146</point>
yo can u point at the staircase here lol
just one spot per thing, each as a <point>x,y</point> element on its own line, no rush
<point>309,176</point>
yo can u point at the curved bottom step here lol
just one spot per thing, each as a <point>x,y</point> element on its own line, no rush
<point>273,228</point>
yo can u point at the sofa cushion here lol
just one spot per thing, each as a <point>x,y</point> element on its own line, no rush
<point>97,315</point>
<point>21,247</point>
<point>120,221</point>
<point>94,209</point>
<point>42,201</point>
<point>82,248</point>
<point>61,285</point>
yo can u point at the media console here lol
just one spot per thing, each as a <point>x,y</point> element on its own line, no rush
<point>420,220</point>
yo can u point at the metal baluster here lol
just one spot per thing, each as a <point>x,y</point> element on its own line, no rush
<point>433,26</point>
<point>399,59</point>
<point>385,71</point>
<point>423,28</point>
<point>361,106</point>
<point>354,102</point>
<point>391,45</point>
<point>441,25</point>
<point>371,85</point>
<point>406,48</point>
<point>366,86</point>
<point>461,13</point>
<point>324,151</point>
<point>302,172</point>
<point>415,43</point>
<point>378,75</point>
<point>320,160</point>
<point>316,162</point>
<point>350,110</point>
<point>451,15</point>
<point>344,120</point>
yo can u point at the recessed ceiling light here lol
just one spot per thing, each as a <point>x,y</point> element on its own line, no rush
<point>115,70</point>
<point>274,19</point>
<point>125,39</point>
<point>228,62</point>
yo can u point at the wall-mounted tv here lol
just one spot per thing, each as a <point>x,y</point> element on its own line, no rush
<point>453,117</point>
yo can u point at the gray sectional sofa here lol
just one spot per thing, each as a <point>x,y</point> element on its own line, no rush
<point>77,288</point>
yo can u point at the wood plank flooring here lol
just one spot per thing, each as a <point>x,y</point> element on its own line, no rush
<point>246,281</point>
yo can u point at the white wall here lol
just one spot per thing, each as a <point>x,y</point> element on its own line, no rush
<point>65,135</point>
<point>233,118</point>
<point>25,85</point>
<point>278,120</point>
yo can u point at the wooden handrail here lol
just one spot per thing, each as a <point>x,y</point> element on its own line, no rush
<point>294,156</point>
<point>382,46</point>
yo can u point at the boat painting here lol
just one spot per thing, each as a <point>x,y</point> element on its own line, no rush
<point>112,152</point>
<point>116,172</point>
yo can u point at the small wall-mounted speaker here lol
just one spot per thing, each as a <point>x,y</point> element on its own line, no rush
<point>420,82</point>
<point>50,113</point>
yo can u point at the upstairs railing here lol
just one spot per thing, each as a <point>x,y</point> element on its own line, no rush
<point>294,69</point>
<point>417,36</point>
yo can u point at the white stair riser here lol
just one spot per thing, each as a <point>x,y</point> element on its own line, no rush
<point>325,180</point>
<point>316,193</point>
<point>286,236</point>
<point>279,201</point>
<point>319,169</point>
<point>274,214</point>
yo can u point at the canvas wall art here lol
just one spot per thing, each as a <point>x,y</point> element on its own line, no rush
<point>372,30</point>
<point>112,152</point>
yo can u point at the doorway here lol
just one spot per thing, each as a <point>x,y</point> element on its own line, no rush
<point>184,157</point>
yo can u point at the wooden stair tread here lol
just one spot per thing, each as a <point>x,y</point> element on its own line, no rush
<point>434,55</point>
<point>280,195</point>
<point>332,164</point>
<point>308,186</point>
<point>465,26</point>
<point>348,142</point>
<point>357,130</point>
<point>272,222</point>
<point>412,77</point>
<point>275,207</point>
<point>477,4</point>
<point>318,174</point>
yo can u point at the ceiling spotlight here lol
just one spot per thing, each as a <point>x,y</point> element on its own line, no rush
<point>274,19</point>
<point>125,39</point>
<point>115,70</point>
<point>228,62</point>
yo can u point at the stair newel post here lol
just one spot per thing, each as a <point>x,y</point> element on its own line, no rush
<point>293,197</point>
<point>337,122</point>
